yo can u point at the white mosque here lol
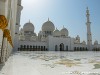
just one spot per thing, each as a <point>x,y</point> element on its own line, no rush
<point>52,39</point>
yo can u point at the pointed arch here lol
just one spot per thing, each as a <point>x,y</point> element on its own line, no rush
<point>61,47</point>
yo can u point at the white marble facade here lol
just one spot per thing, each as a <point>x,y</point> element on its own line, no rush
<point>51,39</point>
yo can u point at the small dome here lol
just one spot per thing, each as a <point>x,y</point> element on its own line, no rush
<point>77,38</point>
<point>21,31</point>
<point>96,42</point>
<point>84,42</point>
<point>28,27</point>
<point>40,32</point>
<point>48,26</point>
<point>56,33</point>
<point>64,32</point>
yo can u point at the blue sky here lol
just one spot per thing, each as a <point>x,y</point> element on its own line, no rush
<point>70,13</point>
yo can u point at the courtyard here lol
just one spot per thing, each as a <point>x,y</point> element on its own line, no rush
<point>52,63</point>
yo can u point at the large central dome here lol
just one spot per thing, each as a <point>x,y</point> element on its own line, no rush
<point>48,26</point>
<point>28,27</point>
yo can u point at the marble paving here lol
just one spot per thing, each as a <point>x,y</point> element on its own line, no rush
<point>53,63</point>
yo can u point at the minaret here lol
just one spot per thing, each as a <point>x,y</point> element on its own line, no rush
<point>16,39</point>
<point>89,35</point>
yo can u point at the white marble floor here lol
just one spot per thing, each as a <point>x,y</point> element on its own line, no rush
<point>52,63</point>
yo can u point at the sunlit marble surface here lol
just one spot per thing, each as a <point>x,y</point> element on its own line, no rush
<point>53,63</point>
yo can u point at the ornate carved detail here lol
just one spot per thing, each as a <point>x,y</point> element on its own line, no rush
<point>3,22</point>
<point>10,40</point>
<point>7,35</point>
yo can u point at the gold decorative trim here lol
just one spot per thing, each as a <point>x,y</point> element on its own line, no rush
<point>3,22</point>
<point>7,35</point>
<point>10,40</point>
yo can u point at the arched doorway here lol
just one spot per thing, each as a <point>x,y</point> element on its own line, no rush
<point>80,48</point>
<point>24,47</point>
<point>21,46</point>
<point>30,48</point>
<point>44,48</point>
<point>61,47</point>
<point>83,49</point>
<point>33,48</point>
<point>75,49</point>
<point>66,48</point>
<point>41,48</point>
<point>56,48</point>
<point>27,47</point>
<point>36,48</point>
<point>86,49</point>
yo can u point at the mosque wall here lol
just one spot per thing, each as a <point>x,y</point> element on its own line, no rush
<point>7,27</point>
<point>96,47</point>
<point>51,38</point>
<point>80,47</point>
<point>58,41</point>
<point>32,43</point>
